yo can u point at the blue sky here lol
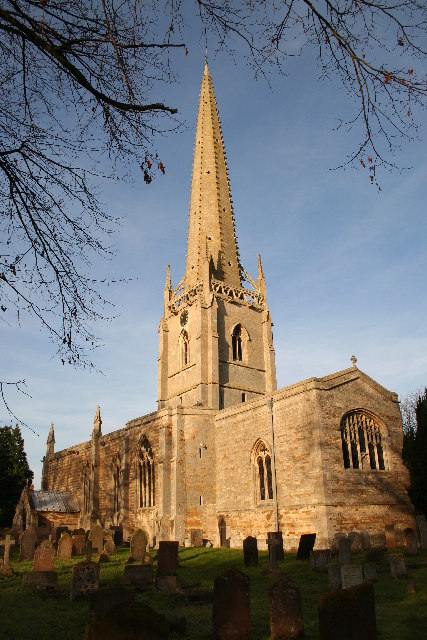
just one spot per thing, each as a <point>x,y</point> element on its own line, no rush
<point>345,264</point>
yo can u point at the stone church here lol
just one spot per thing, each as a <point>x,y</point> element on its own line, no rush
<point>227,452</point>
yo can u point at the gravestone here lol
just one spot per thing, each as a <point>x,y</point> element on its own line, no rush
<point>366,540</point>
<point>96,536</point>
<point>138,545</point>
<point>27,545</point>
<point>140,575</point>
<point>276,538</point>
<point>397,566</point>
<point>58,531</point>
<point>370,572</point>
<point>423,535</point>
<point>348,615</point>
<point>351,575</point>
<point>306,544</point>
<point>334,575</point>
<point>286,621</point>
<point>356,542</point>
<point>65,547</point>
<point>84,579</point>
<point>8,542</point>
<point>378,541</point>
<point>103,557</point>
<point>167,558</point>
<point>411,542</point>
<point>79,544</point>
<point>250,552</point>
<point>146,559</point>
<point>320,559</point>
<point>109,545</point>
<point>197,537</point>
<point>231,606</point>
<point>344,551</point>
<point>335,540</point>
<point>390,536</point>
<point>44,557</point>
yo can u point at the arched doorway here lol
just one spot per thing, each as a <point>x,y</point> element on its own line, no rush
<point>222,532</point>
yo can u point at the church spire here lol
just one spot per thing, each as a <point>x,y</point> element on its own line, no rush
<point>211,232</point>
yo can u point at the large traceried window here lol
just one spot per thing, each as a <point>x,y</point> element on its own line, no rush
<point>263,472</point>
<point>145,475</point>
<point>361,440</point>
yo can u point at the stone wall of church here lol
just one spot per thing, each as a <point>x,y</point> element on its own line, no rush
<point>66,468</point>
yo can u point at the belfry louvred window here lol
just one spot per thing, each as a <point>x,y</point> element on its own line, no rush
<point>263,472</point>
<point>146,475</point>
<point>236,340</point>
<point>361,440</point>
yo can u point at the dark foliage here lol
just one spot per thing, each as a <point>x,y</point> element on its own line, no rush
<point>415,455</point>
<point>14,472</point>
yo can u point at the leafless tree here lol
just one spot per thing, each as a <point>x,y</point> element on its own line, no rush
<point>408,405</point>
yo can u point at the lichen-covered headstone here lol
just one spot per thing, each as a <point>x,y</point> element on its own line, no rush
<point>250,552</point>
<point>27,545</point>
<point>84,579</point>
<point>352,609</point>
<point>44,557</point>
<point>65,547</point>
<point>197,537</point>
<point>231,606</point>
<point>351,575</point>
<point>96,536</point>
<point>167,558</point>
<point>286,621</point>
<point>138,545</point>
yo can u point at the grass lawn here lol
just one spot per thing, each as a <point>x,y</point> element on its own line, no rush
<point>27,614</point>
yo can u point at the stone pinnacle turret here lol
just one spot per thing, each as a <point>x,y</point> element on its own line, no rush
<point>211,232</point>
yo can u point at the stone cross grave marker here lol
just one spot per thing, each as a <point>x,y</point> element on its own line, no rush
<point>167,558</point>
<point>320,559</point>
<point>84,579</point>
<point>197,537</point>
<point>352,609</point>
<point>411,542</point>
<point>231,606</point>
<point>286,621</point>
<point>44,557</point>
<point>351,575</point>
<point>397,566</point>
<point>306,544</point>
<point>334,575</point>
<point>250,552</point>
<point>390,536</point>
<point>344,551</point>
<point>138,546</point>
<point>276,538</point>
<point>8,542</point>
<point>27,545</point>
<point>96,536</point>
<point>65,547</point>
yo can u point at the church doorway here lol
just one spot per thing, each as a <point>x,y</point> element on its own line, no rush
<point>222,533</point>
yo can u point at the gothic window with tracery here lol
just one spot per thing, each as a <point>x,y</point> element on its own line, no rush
<point>236,341</point>
<point>263,472</point>
<point>184,349</point>
<point>361,440</point>
<point>146,475</point>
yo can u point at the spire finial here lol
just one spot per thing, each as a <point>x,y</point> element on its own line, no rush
<point>97,421</point>
<point>206,55</point>
<point>168,278</point>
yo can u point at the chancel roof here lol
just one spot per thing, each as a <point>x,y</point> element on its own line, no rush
<point>54,501</point>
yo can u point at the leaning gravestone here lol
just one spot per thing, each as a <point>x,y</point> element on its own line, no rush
<point>27,545</point>
<point>167,558</point>
<point>411,542</point>
<point>286,621</point>
<point>231,606</point>
<point>276,538</point>
<point>197,537</point>
<point>334,575</point>
<point>397,566</point>
<point>390,536</point>
<point>250,552</point>
<point>84,579</point>
<point>320,559</point>
<point>370,572</point>
<point>344,551</point>
<point>349,614</point>
<point>351,575</point>
<point>138,545</point>
<point>43,574</point>
<point>96,536</point>
<point>65,547</point>
<point>306,544</point>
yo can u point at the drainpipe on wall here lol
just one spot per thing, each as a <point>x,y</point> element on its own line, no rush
<point>273,459</point>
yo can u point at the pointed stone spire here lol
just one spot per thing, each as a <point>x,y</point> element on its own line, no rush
<point>261,286</point>
<point>211,231</point>
<point>97,422</point>
<point>168,290</point>
<point>50,444</point>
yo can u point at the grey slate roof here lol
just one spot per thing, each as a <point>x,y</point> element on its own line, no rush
<point>54,501</point>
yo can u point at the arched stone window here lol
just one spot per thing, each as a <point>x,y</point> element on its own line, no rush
<point>145,475</point>
<point>184,349</point>
<point>236,342</point>
<point>262,472</point>
<point>361,440</point>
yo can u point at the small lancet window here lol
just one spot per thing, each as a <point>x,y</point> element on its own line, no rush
<point>145,475</point>
<point>361,441</point>
<point>237,342</point>
<point>184,349</point>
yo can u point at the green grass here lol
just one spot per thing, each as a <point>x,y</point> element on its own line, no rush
<point>29,614</point>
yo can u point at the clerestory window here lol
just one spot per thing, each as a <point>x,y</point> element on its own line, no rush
<point>361,440</point>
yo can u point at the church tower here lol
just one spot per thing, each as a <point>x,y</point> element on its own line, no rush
<point>216,345</point>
